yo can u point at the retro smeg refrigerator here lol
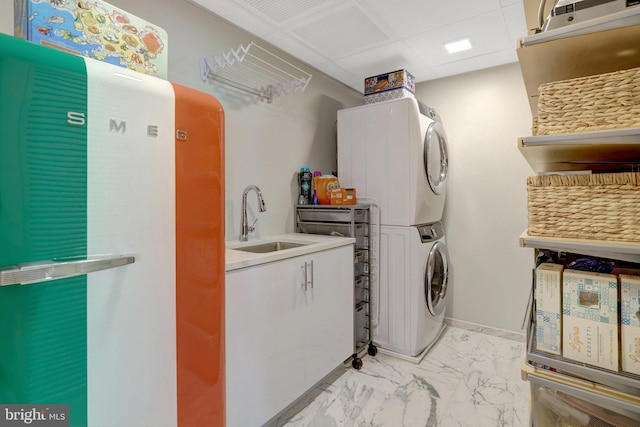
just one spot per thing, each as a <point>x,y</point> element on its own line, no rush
<point>111,242</point>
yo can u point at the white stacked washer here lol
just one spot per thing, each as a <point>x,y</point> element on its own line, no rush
<point>396,152</point>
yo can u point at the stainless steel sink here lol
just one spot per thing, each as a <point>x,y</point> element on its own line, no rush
<point>264,248</point>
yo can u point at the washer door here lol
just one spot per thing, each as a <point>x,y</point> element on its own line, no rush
<point>436,157</point>
<point>436,278</point>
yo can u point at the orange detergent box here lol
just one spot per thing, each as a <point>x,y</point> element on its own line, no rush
<point>343,196</point>
<point>95,29</point>
<point>324,185</point>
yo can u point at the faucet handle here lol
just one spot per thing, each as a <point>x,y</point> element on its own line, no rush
<point>252,227</point>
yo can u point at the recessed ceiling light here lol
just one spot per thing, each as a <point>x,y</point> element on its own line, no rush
<point>459,46</point>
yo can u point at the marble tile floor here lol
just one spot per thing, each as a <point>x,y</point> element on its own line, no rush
<point>468,378</point>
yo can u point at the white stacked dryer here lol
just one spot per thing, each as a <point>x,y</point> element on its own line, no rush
<point>396,153</point>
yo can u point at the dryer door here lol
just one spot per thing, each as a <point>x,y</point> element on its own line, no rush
<point>436,157</point>
<point>436,278</point>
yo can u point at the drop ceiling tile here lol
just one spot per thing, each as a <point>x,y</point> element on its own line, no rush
<point>381,59</point>
<point>411,17</point>
<point>515,20</point>
<point>510,2</point>
<point>487,33</point>
<point>238,16</point>
<point>424,74</point>
<point>476,63</point>
<point>282,10</point>
<point>334,34</point>
<point>294,48</point>
<point>345,76</point>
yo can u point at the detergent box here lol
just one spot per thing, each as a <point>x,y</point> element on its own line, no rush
<point>630,323</point>
<point>94,29</point>
<point>343,196</point>
<point>590,318</point>
<point>548,295</point>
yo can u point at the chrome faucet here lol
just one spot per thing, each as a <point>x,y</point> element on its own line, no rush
<point>246,228</point>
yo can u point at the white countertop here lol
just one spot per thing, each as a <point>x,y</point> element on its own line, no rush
<point>236,259</point>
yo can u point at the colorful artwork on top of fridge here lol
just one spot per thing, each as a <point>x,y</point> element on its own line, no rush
<point>94,29</point>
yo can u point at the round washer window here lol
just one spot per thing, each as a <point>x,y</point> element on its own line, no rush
<point>436,278</point>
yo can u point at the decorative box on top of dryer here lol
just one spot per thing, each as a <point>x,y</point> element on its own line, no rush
<point>390,81</point>
<point>95,29</point>
<point>385,87</point>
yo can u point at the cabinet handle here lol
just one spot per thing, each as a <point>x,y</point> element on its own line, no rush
<point>305,276</point>
<point>311,273</point>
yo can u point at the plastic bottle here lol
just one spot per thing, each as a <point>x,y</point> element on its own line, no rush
<point>305,182</point>
<point>316,175</point>
<point>315,197</point>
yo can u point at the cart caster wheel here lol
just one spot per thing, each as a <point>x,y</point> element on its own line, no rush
<point>357,363</point>
<point>372,350</point>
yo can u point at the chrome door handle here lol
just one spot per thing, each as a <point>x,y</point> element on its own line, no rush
<point>311,273</point>
<point>33,272</point>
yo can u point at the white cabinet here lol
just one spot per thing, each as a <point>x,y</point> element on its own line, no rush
<point>329,314</point>
<point>264,340</point>
<point>289,323</point>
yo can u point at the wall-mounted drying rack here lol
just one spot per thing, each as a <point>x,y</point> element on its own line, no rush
<point>255,70</point>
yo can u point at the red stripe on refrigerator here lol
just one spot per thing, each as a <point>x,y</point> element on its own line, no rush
<point>200,258</point>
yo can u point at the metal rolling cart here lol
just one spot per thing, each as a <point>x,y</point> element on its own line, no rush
<point>357,221</point>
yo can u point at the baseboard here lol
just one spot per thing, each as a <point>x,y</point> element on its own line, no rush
<point>487,330</point>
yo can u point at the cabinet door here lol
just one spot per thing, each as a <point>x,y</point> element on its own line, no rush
<point>329,302</point>
<point>264,340</point>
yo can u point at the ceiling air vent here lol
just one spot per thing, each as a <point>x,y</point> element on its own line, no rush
<point>282,10</point>
<point>343,37</point>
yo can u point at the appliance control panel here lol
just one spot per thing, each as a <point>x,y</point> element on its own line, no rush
<point>431,232</point>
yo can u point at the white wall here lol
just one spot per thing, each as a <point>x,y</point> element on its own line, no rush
<point>484,113</point>
<point>6,16</point>
<point>266,144</point>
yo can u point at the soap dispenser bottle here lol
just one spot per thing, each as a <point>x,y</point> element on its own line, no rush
<point>305,180</point>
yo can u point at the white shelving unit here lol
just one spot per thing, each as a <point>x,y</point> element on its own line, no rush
<point>597,151</point>
<point>255,70</point>
<point>625,18</point>
<point>624,251</point>
<point>599,46</point>
<point>604,392</point>
<point>614,394</point>
<point>593,47</point>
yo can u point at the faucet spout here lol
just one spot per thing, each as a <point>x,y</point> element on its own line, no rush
<point>245,227</point>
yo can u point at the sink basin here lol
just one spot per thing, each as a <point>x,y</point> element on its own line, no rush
<point>264,248</point>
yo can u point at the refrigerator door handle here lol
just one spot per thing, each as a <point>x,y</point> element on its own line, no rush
<point>33,272</point>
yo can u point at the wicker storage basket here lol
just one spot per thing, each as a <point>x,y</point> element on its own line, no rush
<point>596,207</point>
<point>586,104</point>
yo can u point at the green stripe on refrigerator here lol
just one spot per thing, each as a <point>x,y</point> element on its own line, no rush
<point>43,216</point>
